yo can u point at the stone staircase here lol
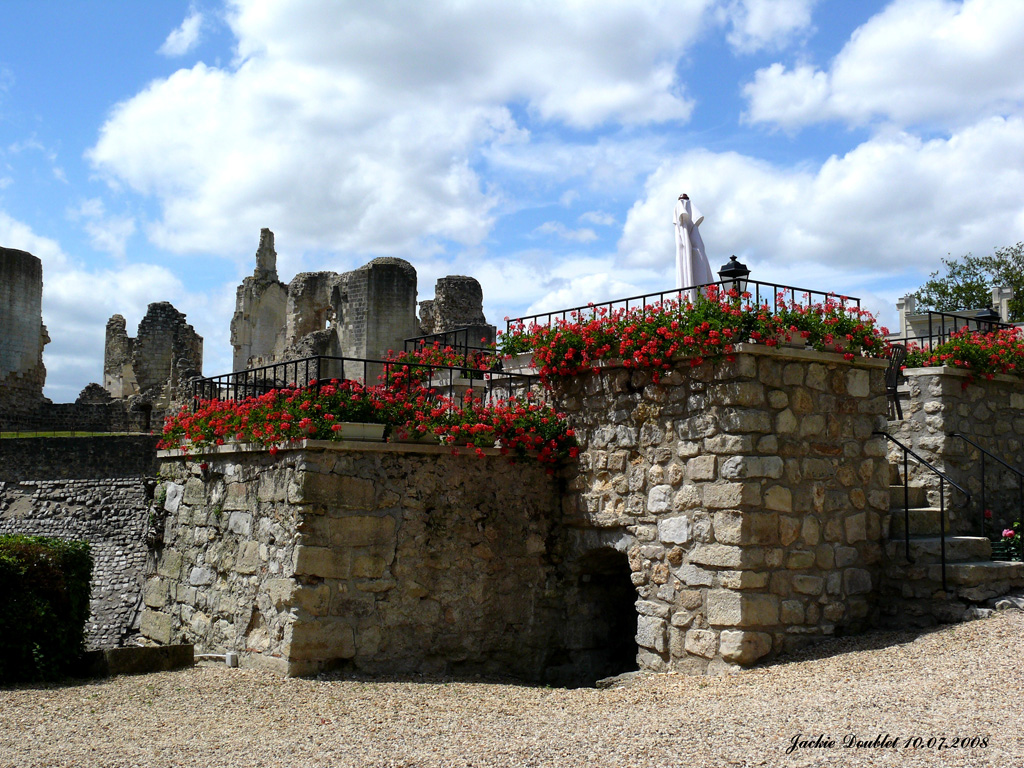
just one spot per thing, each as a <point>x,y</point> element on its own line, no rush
<point>912,591</point>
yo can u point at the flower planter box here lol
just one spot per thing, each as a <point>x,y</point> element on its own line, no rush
<point>521,363</point>
<point>413,438</point>
<point>355,430</point>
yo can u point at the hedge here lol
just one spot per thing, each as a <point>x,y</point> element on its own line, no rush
<point>44,604</point>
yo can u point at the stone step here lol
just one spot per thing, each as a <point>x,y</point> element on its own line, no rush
<point>924,521</point>
<point>927,549</point>
<point>978,573</point>
<point>918,496</point>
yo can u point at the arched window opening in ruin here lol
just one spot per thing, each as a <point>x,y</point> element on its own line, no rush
<point>601,618</point>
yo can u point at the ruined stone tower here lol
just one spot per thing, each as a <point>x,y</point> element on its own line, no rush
<point>165,354</point>
<point>257,327</point>
<point>458,303</point>
<point>22,333</point>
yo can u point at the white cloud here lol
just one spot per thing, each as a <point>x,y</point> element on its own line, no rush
<point>787,98</point>
<point>916,62</point>
<point>766,24</point>
<point>15,234</point>
<point>185,37</point>
<point>357,127</point>
<point>107,233</point>
<point>893,204</point>
<point>557,228</point>
<point>600,218</point>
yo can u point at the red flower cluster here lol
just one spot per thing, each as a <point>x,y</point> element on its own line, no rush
<point>984,354</point>
<point>523,427</point>
<point>655,335</point>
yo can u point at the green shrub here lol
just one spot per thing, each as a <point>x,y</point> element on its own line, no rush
<point>44,604</point>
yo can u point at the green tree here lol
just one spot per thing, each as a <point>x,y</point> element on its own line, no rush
<point>968,281</point>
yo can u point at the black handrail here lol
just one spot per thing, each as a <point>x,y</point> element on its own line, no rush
<point>759,292</point>
<point>318,369</point>
<point>1020,483</point>
<point>939,332</point>
<point>943,478</point>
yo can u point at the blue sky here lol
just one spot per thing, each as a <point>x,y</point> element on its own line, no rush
<point>539,146</point>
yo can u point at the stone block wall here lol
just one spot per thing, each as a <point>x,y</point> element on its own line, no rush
<point>382,558</point>
<point>93,489</point>
<point>750,496</point>
<point>23,336</point>
<point>990,412</point>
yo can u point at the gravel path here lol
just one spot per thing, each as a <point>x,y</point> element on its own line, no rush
<point>960,681</point>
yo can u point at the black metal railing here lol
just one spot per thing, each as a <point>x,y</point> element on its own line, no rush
<point>774,295</point>
<point>465,341</point>
<point>984,502</point>
<point>943,479</point>
<point>487,384</point>
<point>942,325</point>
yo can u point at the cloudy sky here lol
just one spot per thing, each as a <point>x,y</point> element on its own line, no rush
<point>537,145</point>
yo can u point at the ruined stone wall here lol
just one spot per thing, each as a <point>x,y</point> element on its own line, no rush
<point>93,489</point>
<point>77,417</point>
<point>167,351</point>
<point>989,412</point>
<point>750,496</point>
<point>22,333</point>
<point>387,559</point>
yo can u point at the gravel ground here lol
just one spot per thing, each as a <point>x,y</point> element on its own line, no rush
<point>960,681</point>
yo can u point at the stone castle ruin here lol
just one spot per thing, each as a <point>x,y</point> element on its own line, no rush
<point>364,313</point>
<point>22,373</point>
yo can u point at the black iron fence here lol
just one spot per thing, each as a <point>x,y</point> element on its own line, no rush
<point>455,382</point>
<point>774,295</point>
<point>942,325</point>
<point>465,341</point>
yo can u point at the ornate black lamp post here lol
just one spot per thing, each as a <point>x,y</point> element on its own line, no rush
<point>734,274</point>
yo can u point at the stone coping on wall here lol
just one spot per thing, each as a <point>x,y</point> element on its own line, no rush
<point>962,373</point>
<point>332,445</point>
<point>785,353</point>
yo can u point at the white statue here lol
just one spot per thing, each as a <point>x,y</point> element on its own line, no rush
<point>692,266</point>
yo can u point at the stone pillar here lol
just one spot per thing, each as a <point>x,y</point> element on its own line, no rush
<point>1001,297</point>
<point>906,305</point>
<point>118,375</point>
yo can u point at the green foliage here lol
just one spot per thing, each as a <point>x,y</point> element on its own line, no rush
<point>968,281</point>
<point>44,603</point>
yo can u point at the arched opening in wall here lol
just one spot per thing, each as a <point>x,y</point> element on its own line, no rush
<point>600,636</point>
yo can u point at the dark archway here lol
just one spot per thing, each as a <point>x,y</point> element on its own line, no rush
<point>599,639</point>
